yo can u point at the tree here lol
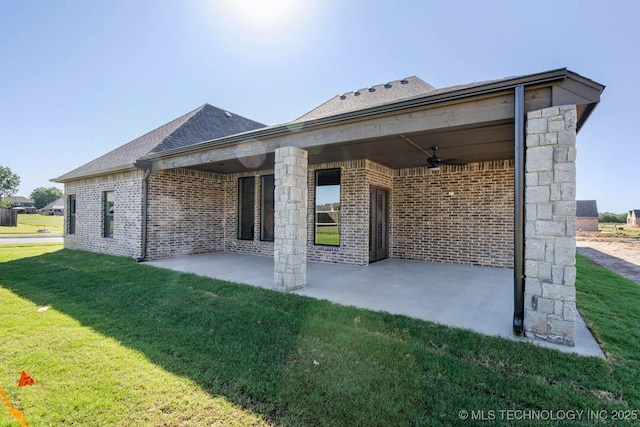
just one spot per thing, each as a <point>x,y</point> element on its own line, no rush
<point>43,196</point>
<point>612,217</point>
<point>9,182</point>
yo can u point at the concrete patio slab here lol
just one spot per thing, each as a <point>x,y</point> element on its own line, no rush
<point>476,298</point>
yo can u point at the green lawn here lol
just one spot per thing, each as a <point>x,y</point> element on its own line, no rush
<point>32,224</point>
<point>127,344</point>
<point>617,228</point>
<point>327,235</point>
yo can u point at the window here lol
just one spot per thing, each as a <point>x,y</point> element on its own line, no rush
<point>109,200</point>
<point>266,208</point>
<point>327,216</point>
<point>246,189</point>
<point>71,219</point>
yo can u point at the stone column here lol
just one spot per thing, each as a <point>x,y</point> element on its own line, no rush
<point>550,217</point>
<point>290,243</point>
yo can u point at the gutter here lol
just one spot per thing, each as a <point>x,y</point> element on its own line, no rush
<point>128,167</point>
<point>283,129</point>
<point>146,166</point>
<point>518,211</point>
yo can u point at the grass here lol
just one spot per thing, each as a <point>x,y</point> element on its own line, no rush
<point>30,224</point>
<point>617,228</point>
<point>610,305</point>
<point>327,235</point>
<point>129,344</point>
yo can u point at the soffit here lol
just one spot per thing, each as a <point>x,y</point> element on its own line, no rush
<point>488,138</point>
<point>468,144</point>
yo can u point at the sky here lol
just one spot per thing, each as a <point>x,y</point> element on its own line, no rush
<point>80,78</point>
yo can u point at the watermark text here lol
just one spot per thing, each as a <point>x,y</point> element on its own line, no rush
<point>548,414</point>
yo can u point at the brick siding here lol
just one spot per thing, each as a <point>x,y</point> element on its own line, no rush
<point>185,213</point>
<point>587,224</point>
<point>127,188</point>
<point>460,214</point>
<point>193,212</point>
<point>231,242</point>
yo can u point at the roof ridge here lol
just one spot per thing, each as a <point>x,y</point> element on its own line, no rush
<point>343,102</point>
<point>185,117</point>
<point>405,80</point>
<point>191,114</point>
<point>202,124</point>
<point>198,112</point>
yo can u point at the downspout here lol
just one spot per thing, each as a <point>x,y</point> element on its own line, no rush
<point>145,186</point>
<point>518,200</point>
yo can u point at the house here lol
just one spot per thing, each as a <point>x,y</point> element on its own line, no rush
<point>400,160</point>
<point>586,215</point>
<point>54,208</point>
<point>633,218</point>
<point>21,204</point>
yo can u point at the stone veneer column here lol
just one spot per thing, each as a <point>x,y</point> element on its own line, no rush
<point>290,244</point>
<point>550,216</point>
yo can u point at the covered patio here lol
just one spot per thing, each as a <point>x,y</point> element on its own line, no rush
<point>461,296</point>
<point>480,174</point>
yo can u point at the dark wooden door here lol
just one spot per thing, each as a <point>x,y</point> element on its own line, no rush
<point>378,224</point>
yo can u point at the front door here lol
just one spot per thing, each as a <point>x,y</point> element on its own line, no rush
<point>378,224</point>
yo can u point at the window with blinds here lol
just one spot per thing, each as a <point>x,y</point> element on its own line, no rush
<point>246,209</point>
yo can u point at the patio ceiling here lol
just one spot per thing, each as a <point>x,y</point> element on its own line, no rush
<point>464,144</point>
<point>467,127</point>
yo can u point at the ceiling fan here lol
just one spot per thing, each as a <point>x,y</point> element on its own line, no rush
<point>433,160</point>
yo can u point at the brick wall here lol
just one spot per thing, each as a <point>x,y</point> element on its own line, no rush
<point>231,242</point>
<point>127,188</point>
<point>460,214</point>
<point>587,224</point>
<point>354,216</point>
<point>194,212</point>
<point>474,226</point>
<point>185,213</point>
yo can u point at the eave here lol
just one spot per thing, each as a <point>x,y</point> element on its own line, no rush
<point>474,91</point>
<point>129,167</point>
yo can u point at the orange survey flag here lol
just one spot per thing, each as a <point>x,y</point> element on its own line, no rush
<point>26,379</point>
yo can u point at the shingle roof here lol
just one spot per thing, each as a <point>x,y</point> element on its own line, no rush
<point>17,199</point>
<point>586,209</point>
<point>208,123</point>
<point>415,88</point>
<point>202,124</point>
<point>381,94</point>
<point>56,204</point>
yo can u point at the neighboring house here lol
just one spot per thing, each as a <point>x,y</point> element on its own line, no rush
<point>21,204</point>
<point>214,181</point>
<point>54,208</point>
<point>586,215</point>
<point>633,218</point>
